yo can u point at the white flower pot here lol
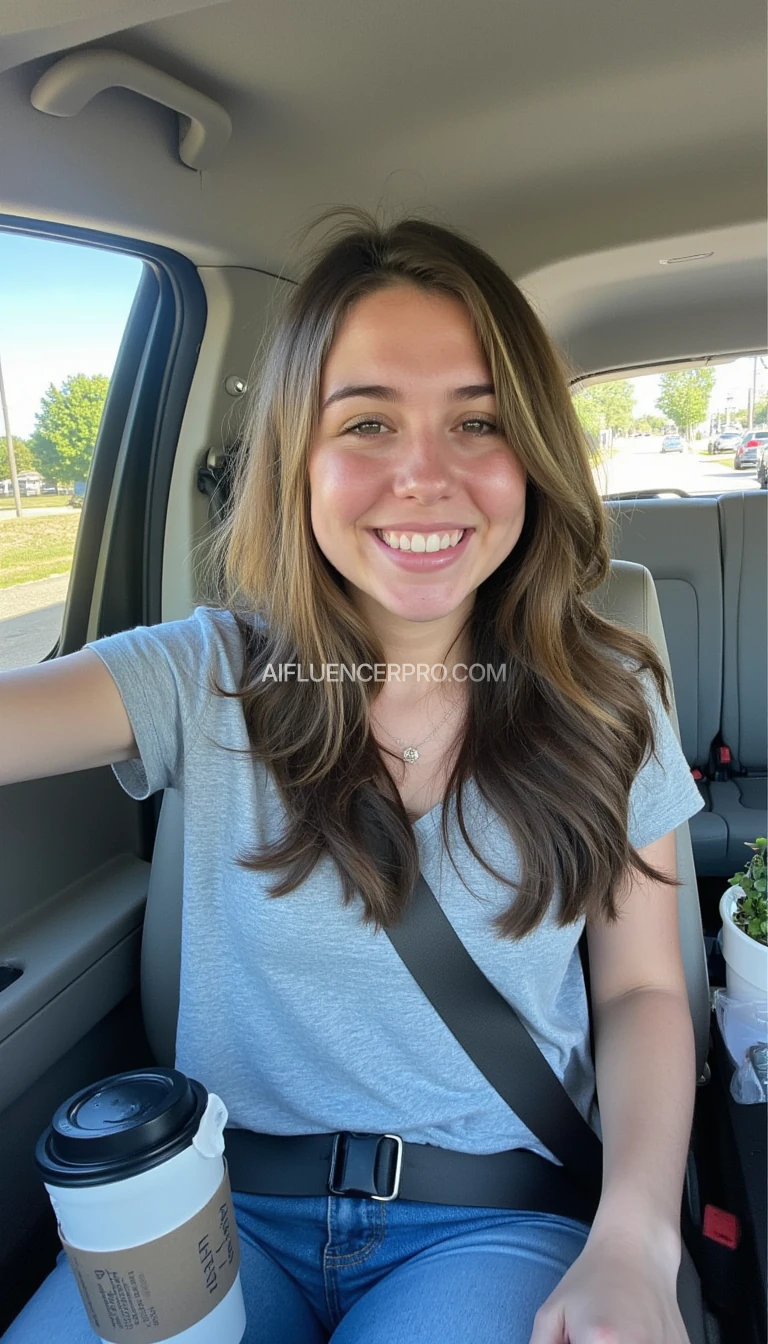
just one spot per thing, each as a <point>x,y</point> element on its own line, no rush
<point>746,961</point>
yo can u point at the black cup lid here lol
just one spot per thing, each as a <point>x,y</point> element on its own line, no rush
<point>120,1127</point>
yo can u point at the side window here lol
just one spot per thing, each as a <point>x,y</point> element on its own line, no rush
<point>64,310</point>
<point>696,431</point>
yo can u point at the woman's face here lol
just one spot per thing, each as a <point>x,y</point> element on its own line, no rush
<point>415,495</point>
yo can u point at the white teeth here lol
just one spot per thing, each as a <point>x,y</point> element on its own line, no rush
<point>422,541</point>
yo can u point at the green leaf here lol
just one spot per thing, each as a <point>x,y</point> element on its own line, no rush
<point>67,425</point>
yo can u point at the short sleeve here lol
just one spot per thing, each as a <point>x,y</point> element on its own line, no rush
<point>163,675</point>
<point>664,793</point>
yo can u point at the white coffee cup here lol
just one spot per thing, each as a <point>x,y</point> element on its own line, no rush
<point>135,1170</point>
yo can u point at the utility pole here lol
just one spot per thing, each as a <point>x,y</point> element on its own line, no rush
<point>9,443</point>
<point>752,402</point>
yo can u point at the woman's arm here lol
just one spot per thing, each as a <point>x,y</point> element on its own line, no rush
<point>644,1057</point>
<point>623,1285</point>
<point>61,715</point>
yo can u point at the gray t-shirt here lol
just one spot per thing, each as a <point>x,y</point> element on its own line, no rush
<point>299,1016</point>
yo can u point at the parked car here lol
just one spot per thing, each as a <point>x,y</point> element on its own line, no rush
<point>725,441</point>
<point>746,448</point>
<point>49,489</point>
<point>673,443</point>
<point>762,465</point>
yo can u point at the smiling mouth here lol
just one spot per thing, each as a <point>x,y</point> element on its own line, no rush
<point>421,542</point>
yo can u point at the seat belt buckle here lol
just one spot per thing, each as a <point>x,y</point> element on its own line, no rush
<point>366,1165</point>
<point>723,763</point>
<point>722,1227</point>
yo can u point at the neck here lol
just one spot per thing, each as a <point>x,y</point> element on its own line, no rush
<point>414,642</point>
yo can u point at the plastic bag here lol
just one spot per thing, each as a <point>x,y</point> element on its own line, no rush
<point>744,1028</point>
<point>749,1084</point>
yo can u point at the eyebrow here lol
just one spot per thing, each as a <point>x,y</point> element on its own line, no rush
<point>375,390</point>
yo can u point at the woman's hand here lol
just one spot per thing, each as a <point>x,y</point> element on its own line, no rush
<point>619,1291</point>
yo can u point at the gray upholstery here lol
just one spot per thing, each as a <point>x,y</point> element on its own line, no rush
<point>161,941</point>
<point>743,801</point>
<point>628,596</point>
<point>708,560</point>
<point>679,541</point>
<point>744,530</point>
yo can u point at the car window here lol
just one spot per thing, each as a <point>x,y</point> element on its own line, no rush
<point>65,307</point>
<point>676,431</point>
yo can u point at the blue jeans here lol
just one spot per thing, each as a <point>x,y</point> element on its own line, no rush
<point>360,1272</point>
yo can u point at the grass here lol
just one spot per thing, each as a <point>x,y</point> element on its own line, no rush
<point>36,548</point>
<point>34,502</point>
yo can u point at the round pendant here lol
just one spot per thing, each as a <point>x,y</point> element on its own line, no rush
<point>410,755</point>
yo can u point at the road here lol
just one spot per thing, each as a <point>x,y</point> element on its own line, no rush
<point>30,620</point>
<point>31,613</point>
<point>639,464</point>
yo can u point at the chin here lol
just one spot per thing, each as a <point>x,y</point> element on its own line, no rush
<point>413,610</point>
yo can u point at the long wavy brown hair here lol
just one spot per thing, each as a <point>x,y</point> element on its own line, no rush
<point>553,748</point>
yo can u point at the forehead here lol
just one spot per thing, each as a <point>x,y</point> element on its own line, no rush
<point>408,331</point>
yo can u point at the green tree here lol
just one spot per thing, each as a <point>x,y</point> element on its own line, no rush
<point>22,453</point>
<point>684,397</point>
<point>606,406</point>
<point>650,424</point>
<point>66,426</point>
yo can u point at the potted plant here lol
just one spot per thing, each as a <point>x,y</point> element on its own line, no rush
<point>745,928</point>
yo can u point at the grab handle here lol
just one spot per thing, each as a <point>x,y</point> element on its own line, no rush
<point>67,86</point>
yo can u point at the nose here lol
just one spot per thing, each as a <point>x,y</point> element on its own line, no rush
<point>422,469</point>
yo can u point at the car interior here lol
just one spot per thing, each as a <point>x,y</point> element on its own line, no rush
<point>613,161</point>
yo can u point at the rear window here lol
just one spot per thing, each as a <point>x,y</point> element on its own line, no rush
<point>631,423</point>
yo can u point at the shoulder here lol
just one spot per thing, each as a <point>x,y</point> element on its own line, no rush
<point>221,637</point>
<point>644,678</point>
<point>210,640</point>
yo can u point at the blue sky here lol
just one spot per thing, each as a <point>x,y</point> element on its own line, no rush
<point>63,310</point>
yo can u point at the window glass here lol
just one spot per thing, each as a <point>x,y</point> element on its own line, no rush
<point>63,312</point>
<point>683,432</point>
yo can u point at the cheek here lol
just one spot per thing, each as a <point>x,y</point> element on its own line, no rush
<point>342,489</point>
<point>498,488</point>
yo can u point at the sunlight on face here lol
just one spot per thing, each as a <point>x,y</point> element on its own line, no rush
<point>411,449</point>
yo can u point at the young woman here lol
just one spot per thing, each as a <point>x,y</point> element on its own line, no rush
<point>414,492</point>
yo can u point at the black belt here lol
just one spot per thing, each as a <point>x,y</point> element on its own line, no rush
<point>383,1167</point>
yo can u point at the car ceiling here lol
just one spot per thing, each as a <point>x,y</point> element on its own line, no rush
<point>581,144</point>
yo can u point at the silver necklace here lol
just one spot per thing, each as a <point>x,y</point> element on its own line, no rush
<point>411,753</point>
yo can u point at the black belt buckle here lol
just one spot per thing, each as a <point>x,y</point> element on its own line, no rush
<point>362,1163</point>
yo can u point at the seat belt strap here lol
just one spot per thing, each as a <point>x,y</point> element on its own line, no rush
<point>491,1033</point>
